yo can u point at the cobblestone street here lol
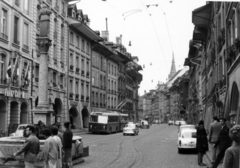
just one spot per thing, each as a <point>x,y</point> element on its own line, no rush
<point>152,148</point>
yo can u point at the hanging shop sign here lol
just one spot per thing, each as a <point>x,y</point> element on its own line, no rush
<point>16,93</point>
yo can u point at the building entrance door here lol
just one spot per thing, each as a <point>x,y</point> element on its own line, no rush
<point>85,117</point>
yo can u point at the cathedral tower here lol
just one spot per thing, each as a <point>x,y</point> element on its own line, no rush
<point>173,69</point>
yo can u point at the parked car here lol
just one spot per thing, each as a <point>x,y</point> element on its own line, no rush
<point>182,127</point>
<point>170,122</point>
<point>130,129</point>
<point>19,131</point>
<point>180,122</point>
<point>187,139</point>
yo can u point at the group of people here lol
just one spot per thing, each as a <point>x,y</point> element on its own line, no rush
<point>224,142</point>
<point>57,148</point>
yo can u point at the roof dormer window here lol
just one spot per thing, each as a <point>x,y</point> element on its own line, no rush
<point>79,18</point>
<point>73,14</point>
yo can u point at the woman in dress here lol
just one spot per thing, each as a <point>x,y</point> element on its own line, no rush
<point>202,142</point>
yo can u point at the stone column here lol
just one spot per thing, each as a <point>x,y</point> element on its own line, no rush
<point>43,110</point>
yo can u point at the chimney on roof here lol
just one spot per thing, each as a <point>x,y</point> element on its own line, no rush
<point>119,39</point>
<point>105,34</point>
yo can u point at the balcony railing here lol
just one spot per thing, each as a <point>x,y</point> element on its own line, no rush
<point>71,67</point>
<point>77,70</point>
<point>25,47</point>
<point>82,72</point>
<point>82,97</point>
<point>71,95</point>
<point>77,96</point>
<point>54,84</point>
<point>88,74</point>
<point>4,36</point>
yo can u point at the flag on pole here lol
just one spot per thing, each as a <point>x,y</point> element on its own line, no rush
<point>15,69</point>
<point>25,74</point>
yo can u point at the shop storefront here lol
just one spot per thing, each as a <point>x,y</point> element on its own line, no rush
<point>14,108</point>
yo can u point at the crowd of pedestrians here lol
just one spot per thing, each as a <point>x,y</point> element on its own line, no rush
<point>57,148</point>
<point>224,143</point>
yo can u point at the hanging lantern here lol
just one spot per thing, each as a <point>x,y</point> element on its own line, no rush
<point>150,63</point>
<point>143,66</point>
<point>152,80</point>
<point>130,44</point>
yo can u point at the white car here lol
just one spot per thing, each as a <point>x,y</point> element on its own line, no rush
<point>130,129</point>
<point>170,122</point>
<point>187,139</point>
<point>182,127</point>
<point>180,122</point>
<point>19,131</point>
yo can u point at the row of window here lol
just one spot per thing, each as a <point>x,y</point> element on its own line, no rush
<point>99,98</point>
<point>77,86</point>
<point>17,24</point>
<point>75,61</point>
<point>100,62</point>
<point>79,43</point>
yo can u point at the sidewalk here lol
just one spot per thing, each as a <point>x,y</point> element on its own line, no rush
<point>207,158</point>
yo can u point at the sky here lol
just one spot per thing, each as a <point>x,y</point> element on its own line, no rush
<point>156,32</point>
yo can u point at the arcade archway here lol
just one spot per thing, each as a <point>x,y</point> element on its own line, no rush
<point>14,112</point>
<point>23,114</point>
<point>57,107</point>
<point>3,115</point>
<point>85,117</point>
<point>73,117</point>
<point>234,104</point>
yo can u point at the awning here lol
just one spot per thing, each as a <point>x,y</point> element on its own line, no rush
<point>84,29</point>
<point>202,16</point>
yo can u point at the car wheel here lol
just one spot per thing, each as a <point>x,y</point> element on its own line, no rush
<point>179,150</point>
<point>110,131</point>
<point>124,134</point>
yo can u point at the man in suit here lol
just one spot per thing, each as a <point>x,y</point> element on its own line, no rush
<point>30,148</point>
<point>222,143</point>
<point>214,131</point>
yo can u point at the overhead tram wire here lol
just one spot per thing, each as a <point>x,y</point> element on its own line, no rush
<point>167,26</point>
<point>113,7</point>
<point>132,13</point>
<point>155,32</point>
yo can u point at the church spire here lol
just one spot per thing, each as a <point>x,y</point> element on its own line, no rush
<point>173,69</point>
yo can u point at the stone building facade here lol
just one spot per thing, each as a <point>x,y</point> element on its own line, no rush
<point>57,60</point>
<point>81,40</point>
<point>16,45</point>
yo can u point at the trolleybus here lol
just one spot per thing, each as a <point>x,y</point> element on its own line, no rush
<point>107,122</point>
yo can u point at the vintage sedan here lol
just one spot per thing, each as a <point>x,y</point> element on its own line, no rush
<point>130,129</point>
<point>19,131</point>
<point>187,139</point>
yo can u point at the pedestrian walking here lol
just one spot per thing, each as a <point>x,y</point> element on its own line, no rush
<point>214,131</point>
<point>222,143</point>
<point>50,152</point>
<point>231,158</point>
<point>67,146</point>
<point>202,142</point>
<point>55,132</point>
<point>30,148</point>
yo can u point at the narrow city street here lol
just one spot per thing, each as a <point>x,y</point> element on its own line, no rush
<point>152,148</point>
